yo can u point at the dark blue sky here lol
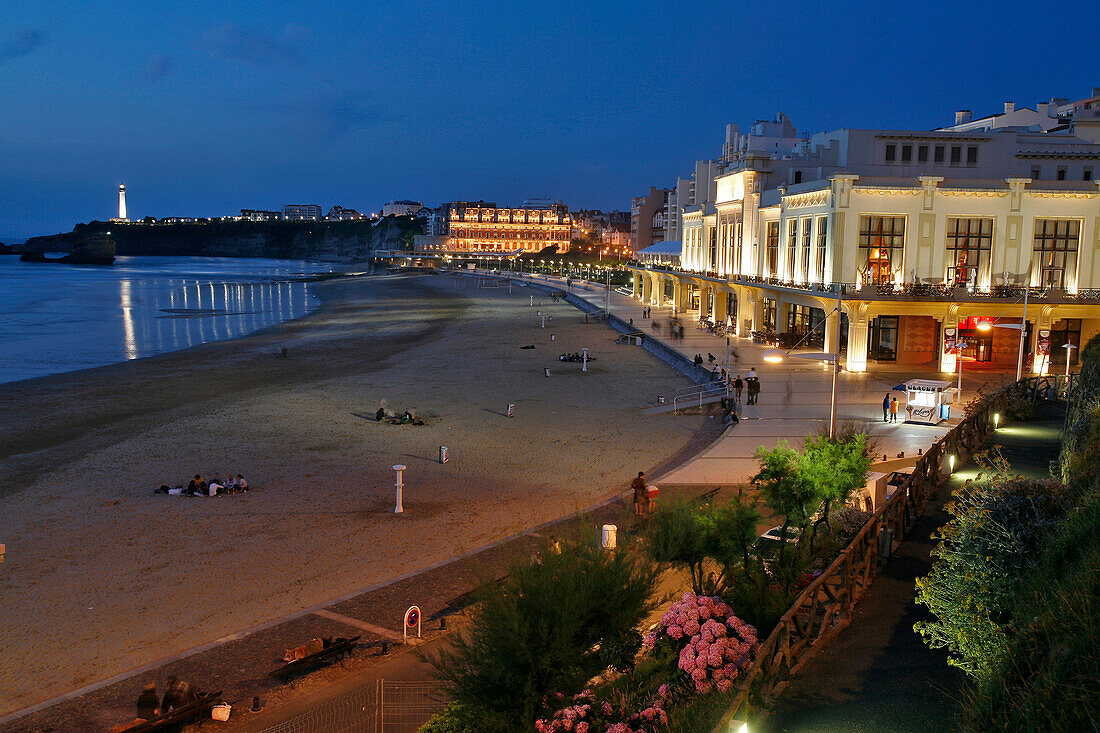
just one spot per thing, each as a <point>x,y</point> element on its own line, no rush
<point>206,107</point>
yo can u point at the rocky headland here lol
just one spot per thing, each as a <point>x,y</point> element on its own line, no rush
<point>335,241</point>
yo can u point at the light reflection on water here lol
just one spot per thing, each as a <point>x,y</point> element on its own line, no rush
<point>58,318</point>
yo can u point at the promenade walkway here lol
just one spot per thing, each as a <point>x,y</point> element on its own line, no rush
<point>730,459</point>
<point>878,675</point>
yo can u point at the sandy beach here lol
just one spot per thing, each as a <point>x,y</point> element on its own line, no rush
<point>102,575</point>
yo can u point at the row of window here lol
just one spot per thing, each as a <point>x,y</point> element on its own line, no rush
<point>969,243</point>
<point>881,244</point>
<point>918,153</point>
<point>1061,173</point>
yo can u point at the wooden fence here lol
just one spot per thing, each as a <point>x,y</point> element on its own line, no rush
<point>825,607</point>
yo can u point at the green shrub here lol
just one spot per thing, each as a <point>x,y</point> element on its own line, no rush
<point>1050,677</point>
<point>450,719</point>
<point>547,628</point>
<point>993,539</point>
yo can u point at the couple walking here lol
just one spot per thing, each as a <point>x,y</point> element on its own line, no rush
<point>889,408</point>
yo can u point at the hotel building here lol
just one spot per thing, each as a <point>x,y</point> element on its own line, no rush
<point>925,233</point>
<point>479,226</point>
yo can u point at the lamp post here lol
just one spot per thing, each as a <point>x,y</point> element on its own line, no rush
<point>1069,354</point>
<point>777,355</point>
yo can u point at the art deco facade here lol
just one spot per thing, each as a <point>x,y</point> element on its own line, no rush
<point>926,234</point>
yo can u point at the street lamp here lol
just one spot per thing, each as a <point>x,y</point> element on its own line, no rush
<point>777,355</point>
<point>1069,353</point>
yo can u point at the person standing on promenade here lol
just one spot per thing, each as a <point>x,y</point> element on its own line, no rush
<point>641,498</point>
<point>754,390</point>
<point>894,410</point>
<point>738,385</point>
<point>886,408</point>
<point>752,373</point>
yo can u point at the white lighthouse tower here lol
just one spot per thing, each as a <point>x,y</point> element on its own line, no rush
<point>122,202</point>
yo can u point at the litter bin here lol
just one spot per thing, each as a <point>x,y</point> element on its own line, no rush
<point>609,536</point>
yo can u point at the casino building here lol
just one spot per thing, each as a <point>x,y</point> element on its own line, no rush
<point>926,234</point>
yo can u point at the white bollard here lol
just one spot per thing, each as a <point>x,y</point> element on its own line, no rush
<point>551,337</point>
<point>544,321</point>
<point>532,300</point>
<point>400,485</point>
<point>609,537</point>
<point>584,359</point>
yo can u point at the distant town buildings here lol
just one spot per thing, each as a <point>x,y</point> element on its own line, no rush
<point>302,212</point>
<point>402,208</point>
<point>339,213</point>
<point>927,235</point>
<point>259,215</point>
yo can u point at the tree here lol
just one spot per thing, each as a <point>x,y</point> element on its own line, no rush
<point>686,535</point>
<point>548,627</point>
<point>836,468</point>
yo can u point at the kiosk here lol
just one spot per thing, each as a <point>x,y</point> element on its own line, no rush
<point>927,401</point>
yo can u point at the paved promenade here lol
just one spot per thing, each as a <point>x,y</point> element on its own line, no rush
<point>730,459</point>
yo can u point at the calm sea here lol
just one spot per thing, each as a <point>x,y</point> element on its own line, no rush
<point>58,318</point>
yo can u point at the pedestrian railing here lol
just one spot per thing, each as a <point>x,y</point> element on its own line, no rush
<point>699,394</point>
<point>381,706</point>
<point>825,607</point>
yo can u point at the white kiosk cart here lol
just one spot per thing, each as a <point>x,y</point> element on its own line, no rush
<point>927,401</point>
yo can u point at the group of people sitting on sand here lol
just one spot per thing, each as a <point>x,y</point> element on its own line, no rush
<point>198,486</point>
<point>574,357</point>
<point>397,418</point>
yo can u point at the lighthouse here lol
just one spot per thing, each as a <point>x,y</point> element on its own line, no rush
<point>122,202</point>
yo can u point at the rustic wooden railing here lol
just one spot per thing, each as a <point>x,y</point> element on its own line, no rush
<point>825,607</point>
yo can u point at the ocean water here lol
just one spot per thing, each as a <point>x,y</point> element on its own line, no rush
<point>58,318</point>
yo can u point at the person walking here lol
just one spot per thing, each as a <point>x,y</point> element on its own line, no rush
<point>754,390</point>
<point>641,498</point>
<point>886,408</point>
<point>738,385</point>
<point>894,409</point>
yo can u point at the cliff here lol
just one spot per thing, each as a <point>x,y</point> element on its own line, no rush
<point>336,241</point>
<point>92,251</point>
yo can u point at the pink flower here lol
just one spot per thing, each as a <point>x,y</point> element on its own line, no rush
<point>699,674</point>
<point>606,708</point>
<point>663,690</point>
<point>723,685</point>
<point>675,631</point>
<point>582,727</point>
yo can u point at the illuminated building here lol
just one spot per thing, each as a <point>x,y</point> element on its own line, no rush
<point>302,212</point>
<point>479,226</point>
<point>927,234</point>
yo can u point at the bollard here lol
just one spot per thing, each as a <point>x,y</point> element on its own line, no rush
<point>512,407</point>
<point>551,337</point>
<point>609,536</point>
<point>399,468</point>
<point>546,372</point>
<point>532,300</point>
<point>385,648</point>
<point>257,706</point>
<point>544,321</point>
<point>584,359</point>
<point>444,454</point>
<point>443,624</point>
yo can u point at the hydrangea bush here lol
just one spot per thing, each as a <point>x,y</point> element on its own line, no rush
<point>583,714</point>
<point>715,645</point>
